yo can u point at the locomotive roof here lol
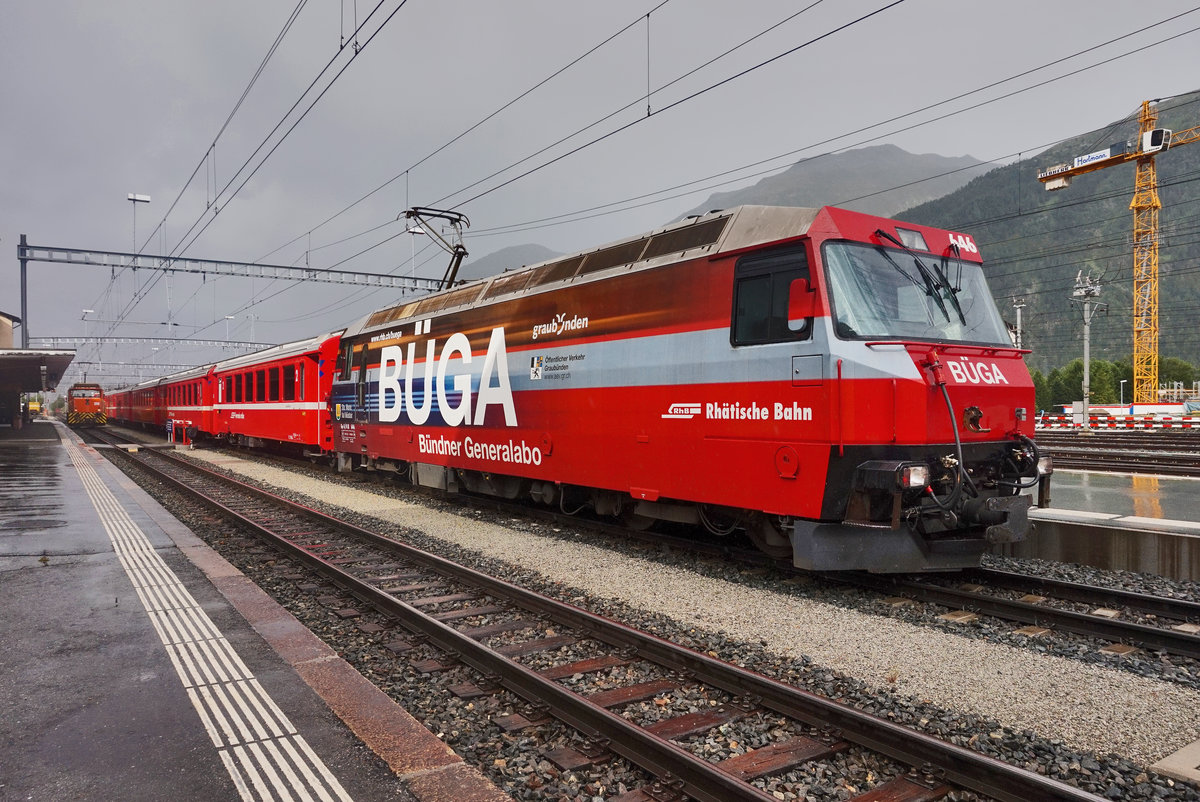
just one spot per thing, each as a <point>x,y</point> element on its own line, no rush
<point>718,231</point>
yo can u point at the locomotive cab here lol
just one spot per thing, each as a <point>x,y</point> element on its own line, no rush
<point>934,459</point>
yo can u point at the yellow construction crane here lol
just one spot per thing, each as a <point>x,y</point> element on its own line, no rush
<point>1145,206</point>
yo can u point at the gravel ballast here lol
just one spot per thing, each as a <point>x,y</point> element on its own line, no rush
<point>1088,707</point>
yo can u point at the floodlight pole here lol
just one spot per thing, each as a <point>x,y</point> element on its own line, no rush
<point>135,199</point>
<point>24,296</point>
<point>1086,290</point>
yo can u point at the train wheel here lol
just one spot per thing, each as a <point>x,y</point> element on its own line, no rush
<point>768,539</point>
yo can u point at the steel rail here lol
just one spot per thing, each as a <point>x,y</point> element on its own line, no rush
<point>1176,609</point>
<point>703,781</point>
<point>1172,641</point>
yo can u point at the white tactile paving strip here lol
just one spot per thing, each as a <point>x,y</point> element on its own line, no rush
<point>265,756</point>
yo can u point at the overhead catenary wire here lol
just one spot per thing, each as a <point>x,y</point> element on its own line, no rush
<point>181,247</point>
<point>624,204</point>
<point>896,118</point>
<point>1027,72</point>
<point>362,251</point>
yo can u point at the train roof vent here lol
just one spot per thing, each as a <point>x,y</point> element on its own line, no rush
<point>503,285</point>
<point>379,317</point>
<point>445,300</point>
<point>686,238</point>
<point>622,254</point>
<point>392,313</point>
<point>555,271</point>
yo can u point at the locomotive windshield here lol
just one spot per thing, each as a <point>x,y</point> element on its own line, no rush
<point>885,293</point>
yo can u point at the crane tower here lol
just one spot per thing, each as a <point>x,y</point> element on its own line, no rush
<point>1145,206</point>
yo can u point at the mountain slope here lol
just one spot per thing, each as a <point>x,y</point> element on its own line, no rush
<point>881,179</point>
<point>1035,243</point>
<point>511,258</point>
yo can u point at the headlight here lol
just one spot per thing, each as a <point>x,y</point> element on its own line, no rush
<point>891,475</point>
<point>912,476</point>
<point>1045,465</point>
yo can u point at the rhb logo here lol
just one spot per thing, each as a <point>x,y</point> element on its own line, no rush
<point>682,411</point>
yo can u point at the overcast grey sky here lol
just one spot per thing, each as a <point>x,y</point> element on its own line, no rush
<point>103,99</point>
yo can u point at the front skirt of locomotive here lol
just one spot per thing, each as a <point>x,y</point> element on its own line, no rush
<point>872,522</point>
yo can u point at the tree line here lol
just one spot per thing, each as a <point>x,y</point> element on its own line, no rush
<point>1065,385</point>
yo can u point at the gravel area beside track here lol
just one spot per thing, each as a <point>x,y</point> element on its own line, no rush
<point>1087,707</point>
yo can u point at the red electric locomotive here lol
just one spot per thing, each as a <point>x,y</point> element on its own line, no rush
<point>839,386</point>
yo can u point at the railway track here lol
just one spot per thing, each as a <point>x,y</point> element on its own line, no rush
<point>1157,623</point>
<point>1119,617</point>
<point>508,637</point>
<point>1172,453</point>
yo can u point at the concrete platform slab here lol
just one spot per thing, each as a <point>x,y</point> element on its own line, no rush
<point>130,672</point>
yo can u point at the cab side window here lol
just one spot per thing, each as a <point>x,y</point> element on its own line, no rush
<point>762,284</point>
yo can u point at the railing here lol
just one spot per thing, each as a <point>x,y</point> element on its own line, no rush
<point>1118,422</point>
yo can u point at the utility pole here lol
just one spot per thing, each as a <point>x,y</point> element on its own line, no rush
<point>1085,291</point>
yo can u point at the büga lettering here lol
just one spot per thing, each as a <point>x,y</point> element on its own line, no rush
<point>965,371</point>
<point>446,373</point>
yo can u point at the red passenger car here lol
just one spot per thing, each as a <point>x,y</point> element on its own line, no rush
<point>277,395</point>
<point>188,401</point>
<point>139,405</point>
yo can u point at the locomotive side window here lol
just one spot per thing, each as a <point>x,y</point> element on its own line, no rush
<point>228,390</point>
<point>260,385</point>
<point>761,288</point>
<point>345,361</point>
<point>300,383</point>
<point>360,394</point>
<point>273,384</point>
<point>237,388</point>
<point>289,382</point>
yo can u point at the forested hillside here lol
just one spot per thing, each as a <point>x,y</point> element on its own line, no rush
<point>1035,243</point>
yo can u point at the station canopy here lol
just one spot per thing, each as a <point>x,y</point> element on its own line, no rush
<point>32,370</point>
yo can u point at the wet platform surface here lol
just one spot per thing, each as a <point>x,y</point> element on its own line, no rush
<point>1169,498</point>
<point>138,664</point>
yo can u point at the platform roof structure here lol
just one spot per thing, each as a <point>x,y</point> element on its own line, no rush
<point>31,370</point>
<point>28,370</point>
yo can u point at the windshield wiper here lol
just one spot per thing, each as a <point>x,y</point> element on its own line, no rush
<point>951,293</point>
<point>932,284</point>
<point>926,288</point>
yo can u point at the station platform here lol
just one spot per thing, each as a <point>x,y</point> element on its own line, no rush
<point>1118,522</point>
<point>138,664</point>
